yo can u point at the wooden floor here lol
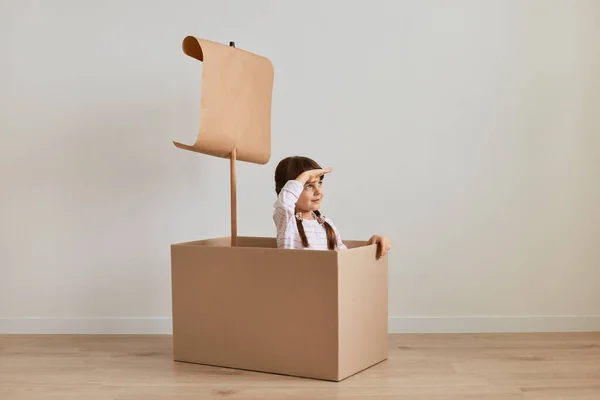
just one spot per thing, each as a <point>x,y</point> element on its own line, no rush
<point>424,367</point>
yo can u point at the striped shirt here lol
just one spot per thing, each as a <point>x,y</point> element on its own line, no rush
<point>284,216</point>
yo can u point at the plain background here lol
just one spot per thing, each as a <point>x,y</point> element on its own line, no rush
<point>468,132</point>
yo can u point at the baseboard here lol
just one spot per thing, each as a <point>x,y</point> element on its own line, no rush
<point>483,324</point>
<point>142,326</point>
<point>162,325</point>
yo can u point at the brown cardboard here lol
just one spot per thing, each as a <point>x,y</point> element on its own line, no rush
<point>306,313</point>
<point>235,106</point>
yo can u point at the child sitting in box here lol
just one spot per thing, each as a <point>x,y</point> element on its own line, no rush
<point>298,184</point>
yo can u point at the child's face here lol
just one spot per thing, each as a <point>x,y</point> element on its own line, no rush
<point>311,197</point>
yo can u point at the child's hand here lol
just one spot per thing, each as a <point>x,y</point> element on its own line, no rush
<point>312,175</point>
<point>383,245</point>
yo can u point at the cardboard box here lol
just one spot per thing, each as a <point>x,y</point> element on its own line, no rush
<point>306,313</point>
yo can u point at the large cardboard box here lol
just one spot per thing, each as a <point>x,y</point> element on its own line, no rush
<point>306,313</point>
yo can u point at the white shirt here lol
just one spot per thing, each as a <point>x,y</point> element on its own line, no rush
<point>284,217</point>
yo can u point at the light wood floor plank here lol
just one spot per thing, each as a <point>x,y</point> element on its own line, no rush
<point>560,366</point>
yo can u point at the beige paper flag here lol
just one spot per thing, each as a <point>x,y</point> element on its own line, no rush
<point>235,105</point>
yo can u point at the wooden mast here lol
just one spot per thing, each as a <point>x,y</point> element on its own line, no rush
<point>233,190</point>
<point>232,179</point>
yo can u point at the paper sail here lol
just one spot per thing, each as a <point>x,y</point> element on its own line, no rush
<point>235,104</point>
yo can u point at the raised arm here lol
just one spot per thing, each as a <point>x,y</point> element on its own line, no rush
<point>285,205</point>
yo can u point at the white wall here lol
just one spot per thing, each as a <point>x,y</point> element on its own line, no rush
<point>466,131</point>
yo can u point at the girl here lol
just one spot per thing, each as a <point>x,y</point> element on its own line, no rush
<point>299,188</point>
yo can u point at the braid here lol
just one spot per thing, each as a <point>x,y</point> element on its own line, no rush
<point>302,233</point>
<point>331,237</point>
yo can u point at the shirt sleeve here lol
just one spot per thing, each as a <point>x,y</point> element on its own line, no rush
<point>285,205</point>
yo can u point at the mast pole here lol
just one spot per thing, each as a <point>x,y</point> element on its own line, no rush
<point>232,179</point>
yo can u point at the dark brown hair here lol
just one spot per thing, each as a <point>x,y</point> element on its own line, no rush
<point>290,168</point>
